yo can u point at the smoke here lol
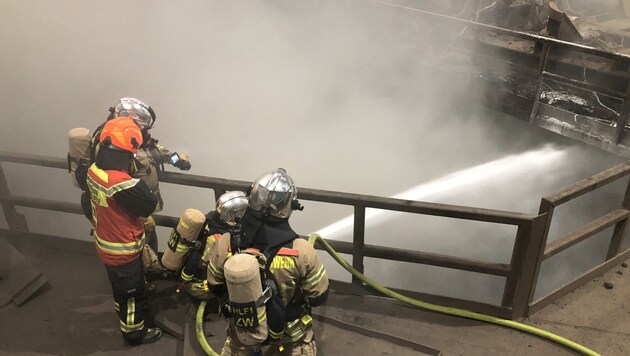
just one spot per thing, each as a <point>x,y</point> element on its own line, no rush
<point>348,96</point>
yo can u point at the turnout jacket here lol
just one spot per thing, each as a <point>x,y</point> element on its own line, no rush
<point>119,203</point>
<point>149,163</point>
<point>298,271</point>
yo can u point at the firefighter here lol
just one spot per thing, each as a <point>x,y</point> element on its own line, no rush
<point>119,206</point>
<point>151,156</point>
<point>229,209</point>
<point>275,308</point>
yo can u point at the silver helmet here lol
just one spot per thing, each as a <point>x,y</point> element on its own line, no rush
<point>274,193</point>
<point>141,113</point>
<point>231,205</point>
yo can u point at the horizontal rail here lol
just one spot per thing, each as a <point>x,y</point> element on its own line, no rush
<point>194,180</point>
<point>589,184</point>
<point>479,307</point>
<point>45,204</point>
<point>368,201</point>
<point>395,254</point>
<point>579,281</point>
<point>533,72</point>
<point>418,207</point>
<point>35,160</point>
<point>326,196</point>
<point>341,246</point>
<point>585,232</point>
<point>578,84</point>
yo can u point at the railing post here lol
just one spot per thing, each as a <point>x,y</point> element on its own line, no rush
<point>625,111</point>
<point>358,240</point>
<point>15,220</point>
<point>516,264</point>
<point>532,260</point>
<point>542,65</point>
<point>620,228</point>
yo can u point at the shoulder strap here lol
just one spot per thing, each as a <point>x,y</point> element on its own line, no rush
<point>94,142</point>
<point>151,145</point>
<point>235,238</point>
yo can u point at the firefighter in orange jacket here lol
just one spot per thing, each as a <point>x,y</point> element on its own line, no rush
<point>295,275</point>
<point>119,205</point>
<point>150,157</point>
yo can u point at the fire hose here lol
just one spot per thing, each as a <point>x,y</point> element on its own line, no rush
<point>438,308</point>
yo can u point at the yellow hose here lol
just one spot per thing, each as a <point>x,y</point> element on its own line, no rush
<point>201,336</point>
<point>446,310</point>
<point>452,311</point>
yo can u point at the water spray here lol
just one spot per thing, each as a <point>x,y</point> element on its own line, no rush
<point>513,164</point>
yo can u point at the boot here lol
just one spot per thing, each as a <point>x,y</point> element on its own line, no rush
<point>152,335</point>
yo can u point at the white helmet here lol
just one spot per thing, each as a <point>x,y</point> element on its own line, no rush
<point>141,113</point>
<point>231,205</point>
<point>274,193</point>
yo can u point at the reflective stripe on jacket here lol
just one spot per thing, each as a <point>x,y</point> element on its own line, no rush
<point>119,235</point>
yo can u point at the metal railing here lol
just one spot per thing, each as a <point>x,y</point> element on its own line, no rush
<point>521,273</point>
<point>617,218</point>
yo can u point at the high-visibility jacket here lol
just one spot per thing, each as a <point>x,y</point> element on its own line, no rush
<point>148,163</point>
<point>119,203</point>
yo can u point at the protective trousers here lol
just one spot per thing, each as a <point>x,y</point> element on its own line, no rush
<point>130,298</point>
<point>304,346</point>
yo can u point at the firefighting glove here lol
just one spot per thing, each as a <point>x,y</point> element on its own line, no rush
<point>184,165</point>
<point>180,160</point>
<point>199,290</point>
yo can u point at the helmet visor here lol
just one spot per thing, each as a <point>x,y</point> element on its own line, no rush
<point>277,203</point>
<point>136,109</point>
<point>231,205</point>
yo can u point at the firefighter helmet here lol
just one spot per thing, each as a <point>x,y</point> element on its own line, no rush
<point>138,110</point>
<point>274,193</point>
<point>231,206</point>
<point>122,134</point>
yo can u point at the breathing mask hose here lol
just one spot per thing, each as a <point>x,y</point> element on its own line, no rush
<point>452,311</point>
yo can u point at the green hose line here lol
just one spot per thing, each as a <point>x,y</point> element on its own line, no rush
<point>201,336</point>
<point>452,311</point>
<point>446,310</point>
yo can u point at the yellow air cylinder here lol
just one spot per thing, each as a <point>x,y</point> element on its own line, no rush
<point>242,277</point>
<point>186,232</point>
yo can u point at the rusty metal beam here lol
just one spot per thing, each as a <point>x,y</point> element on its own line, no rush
<point>517,34</point>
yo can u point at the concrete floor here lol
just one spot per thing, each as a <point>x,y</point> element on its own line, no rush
<point>73,315</point>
